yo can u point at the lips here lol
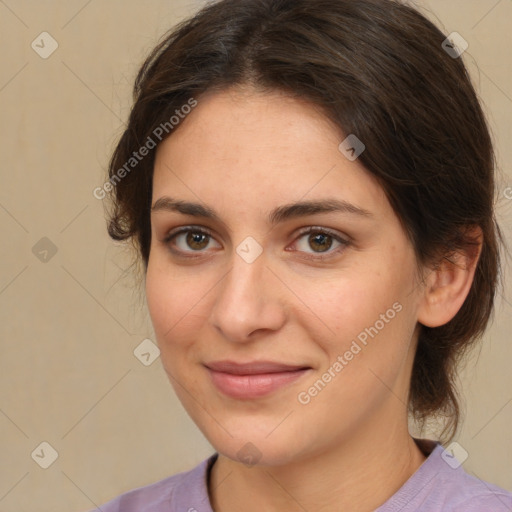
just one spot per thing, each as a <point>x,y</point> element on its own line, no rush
<point>254,379</point>
<point>254,368</point>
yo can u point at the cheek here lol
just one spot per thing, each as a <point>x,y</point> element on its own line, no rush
<point>353,303</point>
<point>172,302</point>
<point>365,360</point>
<point>370,321</point>
<point>159,297</point>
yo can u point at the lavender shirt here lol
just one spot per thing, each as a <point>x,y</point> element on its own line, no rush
<point>440,484</point>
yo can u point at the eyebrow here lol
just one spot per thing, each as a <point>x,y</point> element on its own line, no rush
<point>279,214</point>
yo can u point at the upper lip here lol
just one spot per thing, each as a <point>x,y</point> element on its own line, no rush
<point>253,368</point>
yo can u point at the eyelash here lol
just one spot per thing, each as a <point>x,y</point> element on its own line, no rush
<point>310,230</point>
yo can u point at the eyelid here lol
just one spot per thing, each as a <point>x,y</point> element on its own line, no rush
<point>343,240</point>
<point>301,232</point>
<point>177,231</point>
<point>327,231</point>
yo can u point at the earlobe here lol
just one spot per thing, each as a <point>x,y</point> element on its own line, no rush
<point>448,284</point>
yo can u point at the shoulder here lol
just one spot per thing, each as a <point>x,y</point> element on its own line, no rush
<point>186,491</point>
<point>470,494</point>
<point>441,483</point>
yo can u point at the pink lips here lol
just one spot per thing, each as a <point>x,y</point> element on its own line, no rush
<point>252,380</point>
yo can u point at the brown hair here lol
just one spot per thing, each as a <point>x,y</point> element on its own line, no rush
<point>377,68</point>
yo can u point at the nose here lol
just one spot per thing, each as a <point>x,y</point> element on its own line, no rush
<point>249,299</point>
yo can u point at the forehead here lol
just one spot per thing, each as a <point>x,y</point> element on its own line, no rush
<point>257,150</point>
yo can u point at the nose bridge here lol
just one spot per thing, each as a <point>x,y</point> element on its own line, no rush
<point>245,302</point>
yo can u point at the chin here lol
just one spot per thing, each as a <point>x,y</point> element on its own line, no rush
<point>251,445</point>
<point>257,452</point>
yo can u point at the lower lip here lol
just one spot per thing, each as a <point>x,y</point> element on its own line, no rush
<point>253,386</point>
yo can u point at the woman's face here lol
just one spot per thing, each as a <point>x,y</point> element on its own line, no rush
<point>280,344</point>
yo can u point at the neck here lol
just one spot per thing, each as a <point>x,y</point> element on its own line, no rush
<point>359,476</point>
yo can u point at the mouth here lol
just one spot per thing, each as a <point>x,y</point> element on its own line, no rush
<point>255,379</point>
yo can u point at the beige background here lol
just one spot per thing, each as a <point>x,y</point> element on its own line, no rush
<point>69,326</point>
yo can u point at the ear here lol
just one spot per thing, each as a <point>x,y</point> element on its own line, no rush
<point>448,284</point>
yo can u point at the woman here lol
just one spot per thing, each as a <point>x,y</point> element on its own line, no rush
<point>309,185</point>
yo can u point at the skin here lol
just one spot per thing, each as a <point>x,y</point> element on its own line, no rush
<point>244,153</point>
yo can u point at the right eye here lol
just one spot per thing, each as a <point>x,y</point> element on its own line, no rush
<point>189,239</point>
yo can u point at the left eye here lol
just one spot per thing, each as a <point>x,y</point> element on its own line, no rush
<point>321,241</point>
